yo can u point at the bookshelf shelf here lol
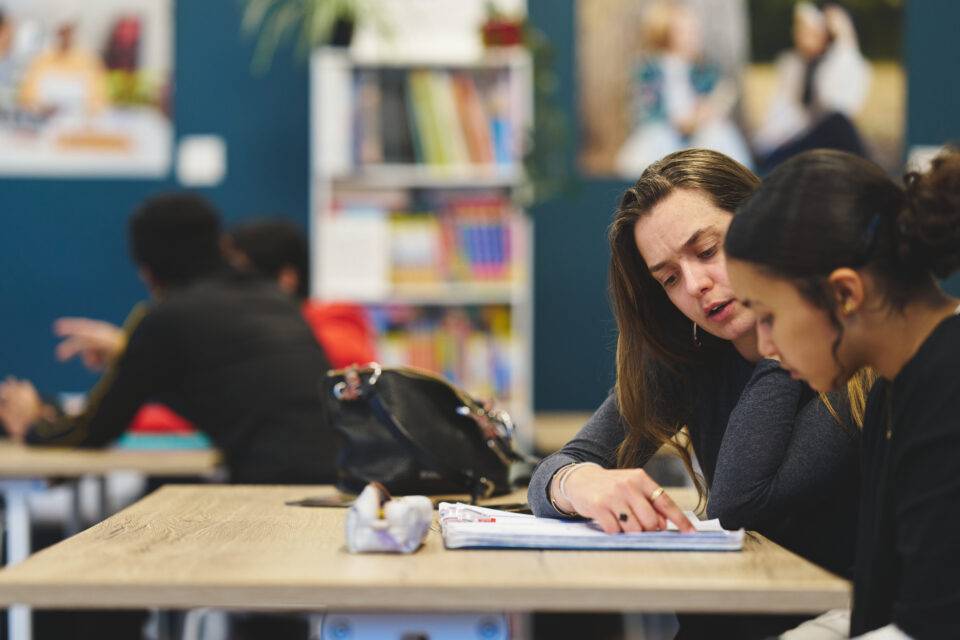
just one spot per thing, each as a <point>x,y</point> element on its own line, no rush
<point>453,294</point>
<point>416,167</point>
<point>492,58</point>
<point>399,176</point>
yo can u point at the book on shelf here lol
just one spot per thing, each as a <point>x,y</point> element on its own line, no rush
<point>448,120</point>
<point>448,237</point>
<point>471,346</point>
<point>345,238</point>
<point>368,131</point>
<point>498,106</point>
<point>434,117</point>
<point>473,118</point>
<point>415,248</point>
<point>397,141</point>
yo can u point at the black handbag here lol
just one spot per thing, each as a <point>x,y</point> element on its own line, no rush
<point>416,433</point>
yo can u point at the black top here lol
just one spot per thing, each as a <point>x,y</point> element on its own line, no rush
<point>776,461</point>
<point>908,549</point>
<point>233,354</point>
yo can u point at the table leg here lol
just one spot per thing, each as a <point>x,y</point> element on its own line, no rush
<point>74,514</point>
<point>103,499</point>
<point>16,518</point>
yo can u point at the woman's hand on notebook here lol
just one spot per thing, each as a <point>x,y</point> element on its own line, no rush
<point>626,500</point>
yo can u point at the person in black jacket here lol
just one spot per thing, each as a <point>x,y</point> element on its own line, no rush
<point>840,265</point>
<point>227,350</point>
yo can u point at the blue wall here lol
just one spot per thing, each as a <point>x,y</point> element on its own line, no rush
<point>932,58</point>
<point>64,246</point>
<point>933,87</point>
<point>574,329</point>
<point>64,250</point>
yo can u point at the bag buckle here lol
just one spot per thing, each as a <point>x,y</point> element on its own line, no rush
<point>492,423</point>
<point>482,488</point>
<point>351,387</point>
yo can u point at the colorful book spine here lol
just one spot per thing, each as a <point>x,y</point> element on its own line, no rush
<point>439,118</point>
<point>460,240</point>
<point>369,148</point>
<point>471,346</point>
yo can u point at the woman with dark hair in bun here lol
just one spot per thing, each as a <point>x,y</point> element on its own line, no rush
<point>840,265</point>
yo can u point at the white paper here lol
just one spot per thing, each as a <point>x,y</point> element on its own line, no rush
<point>466,526</point>
<point>354,256</point>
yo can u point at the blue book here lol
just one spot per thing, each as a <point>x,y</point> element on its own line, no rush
<point>501,135</point>
<point>163,441</point>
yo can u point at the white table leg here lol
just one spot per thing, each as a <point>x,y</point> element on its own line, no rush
<point>16,519</point>
<point>74,521</point>
<point>103,499</point>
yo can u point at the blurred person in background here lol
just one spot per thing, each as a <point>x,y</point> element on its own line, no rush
<point>821,85</point>
<point>680,99</point>
<point>278,250</point>
<point>6,46</point>
<point>10,66</point>
<point>65,78</point>
<point>231,351</point>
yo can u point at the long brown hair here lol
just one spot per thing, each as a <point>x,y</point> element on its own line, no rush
<point>654,336</point>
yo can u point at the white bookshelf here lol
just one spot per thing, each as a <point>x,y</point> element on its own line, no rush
<point>355,251</point>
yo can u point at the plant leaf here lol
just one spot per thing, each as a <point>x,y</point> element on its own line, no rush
<point>254,13</point>
<point>276,26</point>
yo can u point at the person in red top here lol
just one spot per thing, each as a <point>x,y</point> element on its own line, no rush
<point>278,250</point>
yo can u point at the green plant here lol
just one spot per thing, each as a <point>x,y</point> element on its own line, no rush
<point>311,22</point>
<point>547,162</point>
<point>547,159</point>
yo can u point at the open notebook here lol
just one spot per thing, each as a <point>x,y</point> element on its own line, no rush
<point>466,526</point>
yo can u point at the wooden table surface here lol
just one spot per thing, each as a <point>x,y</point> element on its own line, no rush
<point>242,547</point>
<point>21,461</point>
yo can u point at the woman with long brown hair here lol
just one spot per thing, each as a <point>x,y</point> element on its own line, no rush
<point>775,456</point>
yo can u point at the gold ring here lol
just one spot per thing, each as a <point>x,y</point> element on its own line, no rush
<point>656,493</point>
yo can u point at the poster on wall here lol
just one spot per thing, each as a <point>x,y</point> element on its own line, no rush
<point>759,80</point>
<point>86,88</point>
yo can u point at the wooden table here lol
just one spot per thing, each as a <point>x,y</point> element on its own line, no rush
<point>25,469</point>
<point>241,547</point>
<point>21,461</point>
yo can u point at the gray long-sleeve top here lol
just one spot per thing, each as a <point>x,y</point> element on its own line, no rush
<point>774,458</point>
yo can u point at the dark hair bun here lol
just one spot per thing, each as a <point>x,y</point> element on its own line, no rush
<point>929,225</point>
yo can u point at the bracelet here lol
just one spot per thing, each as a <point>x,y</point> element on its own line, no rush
<point>561,472</point>
<point>561,477</point>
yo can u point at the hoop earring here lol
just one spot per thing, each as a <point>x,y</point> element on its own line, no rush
<point>696,338</point>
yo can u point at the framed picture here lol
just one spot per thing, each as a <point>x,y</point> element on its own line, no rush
<point>85,88</point>
<point>758,80</point>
